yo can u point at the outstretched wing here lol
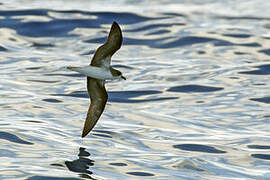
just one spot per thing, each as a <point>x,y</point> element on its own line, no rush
<point>98,96</point>
<point>95,87</point>
<point>102,57</point>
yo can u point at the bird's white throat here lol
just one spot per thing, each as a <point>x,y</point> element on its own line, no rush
<point>95,72</point>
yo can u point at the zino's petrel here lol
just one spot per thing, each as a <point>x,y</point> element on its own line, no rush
<point>97,72</point>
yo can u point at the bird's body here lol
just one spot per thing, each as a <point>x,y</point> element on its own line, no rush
<point>97,72</point>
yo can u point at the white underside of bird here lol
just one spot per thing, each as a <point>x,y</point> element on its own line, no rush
<point>101,73</point>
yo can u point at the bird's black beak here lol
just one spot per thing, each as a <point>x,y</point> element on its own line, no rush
<point>123,78</point>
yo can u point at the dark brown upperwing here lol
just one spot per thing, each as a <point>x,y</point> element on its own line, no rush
<point>95,87</point>
<point>98,96</point>
<point>112,44</point>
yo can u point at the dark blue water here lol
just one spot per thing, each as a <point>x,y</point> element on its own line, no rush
<point>195,104</point>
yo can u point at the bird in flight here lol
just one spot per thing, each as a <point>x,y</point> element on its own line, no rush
<point>97,72</point>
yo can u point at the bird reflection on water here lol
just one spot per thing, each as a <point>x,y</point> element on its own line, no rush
<point>81,164</point>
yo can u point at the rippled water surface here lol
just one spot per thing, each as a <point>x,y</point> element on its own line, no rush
<point>195,104</point>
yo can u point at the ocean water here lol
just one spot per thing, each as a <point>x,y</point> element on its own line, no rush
<point>195,104</point>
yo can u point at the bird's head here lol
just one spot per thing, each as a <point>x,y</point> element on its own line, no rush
<point>117,74</point>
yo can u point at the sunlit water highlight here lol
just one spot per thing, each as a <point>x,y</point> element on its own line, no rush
<point>195,104</point>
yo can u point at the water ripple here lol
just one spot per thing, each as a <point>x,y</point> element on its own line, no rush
<point>3,49</point>
<point>263,100</point>
<point>194,88</point>
<point>51,100</point>
<point>13,138</point>
<point>238,35</point>
<point>198,148</point>
<point>261,70</point>
<point>258,147</point>
<point>261,156</point>
<point>140,173</point>
<point>57,27</point>
<point>51,178</point>
<point>154,26</point>
<point>265,51</point>
<point>170,42</point>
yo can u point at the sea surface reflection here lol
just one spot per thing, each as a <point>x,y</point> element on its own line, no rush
<point>195,104</point>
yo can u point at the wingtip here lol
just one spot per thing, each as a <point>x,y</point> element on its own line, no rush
<point>115,34</point>
<point>115,23</point>
<point>85,132</point>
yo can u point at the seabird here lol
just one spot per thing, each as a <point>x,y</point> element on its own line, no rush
<point>97,72</point>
